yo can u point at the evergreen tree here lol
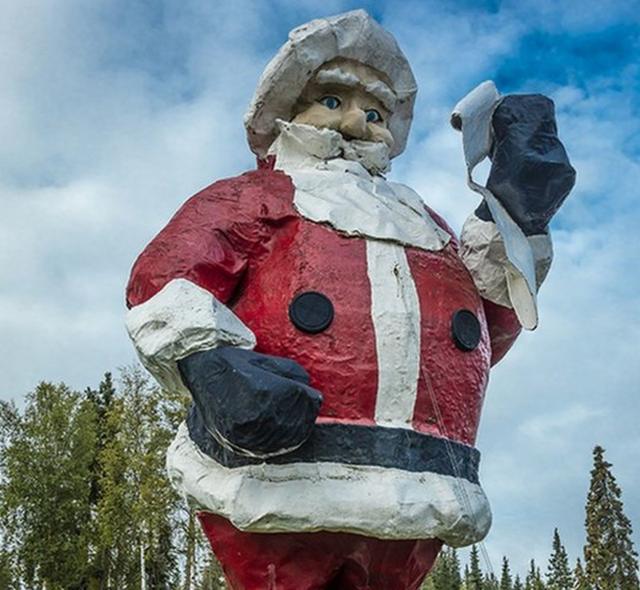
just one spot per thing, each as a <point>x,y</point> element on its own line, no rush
<point>101,400</point>
<point>610,559</point>
<point>506,582</point>
<point>446,572</point>
<point>491,582</point>
<point>465,578</point>
<point>558,572</point>
<point>533,581</point>
<point>212,576</point>
<point>580,581</point>
<point>475,579</point>
<point>454,566</point>
<point>428,583</point>
<point>517,583</point>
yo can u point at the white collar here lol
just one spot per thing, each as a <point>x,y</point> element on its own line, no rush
<point>342,193</point>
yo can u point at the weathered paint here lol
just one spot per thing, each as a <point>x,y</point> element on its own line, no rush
<point>255,253</point>
<point>371,500</point>
<point>412,322</point>
<point>396,324</point>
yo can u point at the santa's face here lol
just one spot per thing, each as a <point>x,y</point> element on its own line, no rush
<point>350,98</point>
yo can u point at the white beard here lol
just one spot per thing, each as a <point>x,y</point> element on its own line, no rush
<point>328,144</point>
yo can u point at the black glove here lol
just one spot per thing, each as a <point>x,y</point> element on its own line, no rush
<point>252,403</point>
<point>530,173</point>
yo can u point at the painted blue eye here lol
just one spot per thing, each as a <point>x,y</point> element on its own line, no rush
<point>373,116</point>
<point>331,102</point>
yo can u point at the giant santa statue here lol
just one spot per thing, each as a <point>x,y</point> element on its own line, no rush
<point>335,335</point>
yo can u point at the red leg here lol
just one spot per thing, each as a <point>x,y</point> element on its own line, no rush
<point>285,561</point>
<point>317,561</point>
<point>388,565</point>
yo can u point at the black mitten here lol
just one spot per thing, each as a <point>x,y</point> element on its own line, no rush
<point>530,173</point>
<point>253,403</point>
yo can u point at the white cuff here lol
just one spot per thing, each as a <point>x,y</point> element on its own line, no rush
<point>179,320</point>
<point>483,253</point>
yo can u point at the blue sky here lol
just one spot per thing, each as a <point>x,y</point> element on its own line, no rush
<point>113,112</point>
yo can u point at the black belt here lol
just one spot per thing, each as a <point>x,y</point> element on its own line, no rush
<point>354,444</point>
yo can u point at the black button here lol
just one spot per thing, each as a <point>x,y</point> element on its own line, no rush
<point>465,330</point>
<point>311,312</point>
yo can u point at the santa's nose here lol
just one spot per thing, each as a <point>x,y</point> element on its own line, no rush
<point>354,124</point>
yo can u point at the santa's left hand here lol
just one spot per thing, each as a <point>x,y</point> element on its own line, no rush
<point>530,173</point>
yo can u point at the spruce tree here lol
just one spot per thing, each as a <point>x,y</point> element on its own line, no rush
<point>465,577</point>
<point>558,572</point>
<point>491,582</point>
<point>454,567</point>
<point>610,559</point>
<point>517,583</point>
<point>101,400</point>
<point>475,578</point>
<point>506,582</point>
<point>533,581</point>
<point>580,581</point>
<point>446,572</point>
<point>437,575</point>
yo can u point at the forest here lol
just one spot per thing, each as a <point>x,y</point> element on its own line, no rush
<point>85,504</point>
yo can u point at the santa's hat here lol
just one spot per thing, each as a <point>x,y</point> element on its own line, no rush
<point>352,35</point>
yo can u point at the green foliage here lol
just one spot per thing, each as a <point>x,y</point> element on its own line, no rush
<point>610,558</point>
<point>475,579</point>
<point>506,582</point>
<point>533,581</point>
<point>85,504</point>
<point>446,572</point>
<point>559,575</point>
<point>84,499</point>
<point>212,577</point>
<point>580,581</point>
<point>45,493</point>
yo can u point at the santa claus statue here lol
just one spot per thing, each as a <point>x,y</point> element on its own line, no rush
<point>334,334</point>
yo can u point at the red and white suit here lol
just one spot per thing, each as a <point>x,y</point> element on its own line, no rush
<point>396,385</point>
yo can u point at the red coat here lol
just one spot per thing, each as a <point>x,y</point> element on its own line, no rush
<point>379,462</point>
<point>243,241</point>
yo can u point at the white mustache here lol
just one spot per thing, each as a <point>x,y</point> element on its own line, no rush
<point>328,143</point>
<point>373,155</point>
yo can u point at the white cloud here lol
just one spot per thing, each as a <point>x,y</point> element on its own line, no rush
<point>556,429</point>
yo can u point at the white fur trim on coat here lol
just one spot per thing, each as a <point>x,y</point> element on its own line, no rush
<point>179,320</point>
<point>375,501</point>
<point>340,192</point>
